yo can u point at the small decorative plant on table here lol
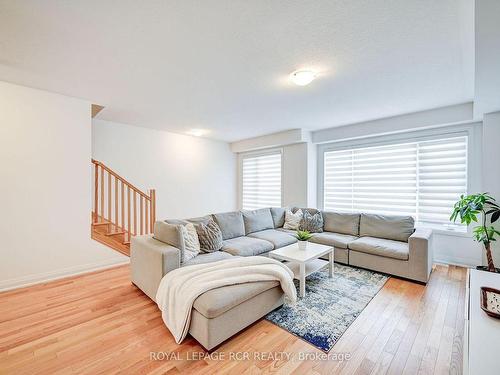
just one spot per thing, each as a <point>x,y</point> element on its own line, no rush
<point>303,236</point>
<point>470,208</point>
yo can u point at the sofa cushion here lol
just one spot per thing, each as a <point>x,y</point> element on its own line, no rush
<point>202,219</point>
<point>312,223</point>
<point>339,240</point>
<point>397,228</point>
<point>175,221</point>
<point>167,233</point>
<point>246,246</point>
<point>381,246</point>
<point>312,211</point>
<point>257,220</point>
<point>210,236</point>
<point>191,241</point>
<point>208,258</point>
<point>231,224</point>
<point>217,301</point>
<point>181,236</point>
<point>292,219</point>
<point>276,237</point>
<point>289,231</point>
<point>278,214</point>
<point>341,222</point>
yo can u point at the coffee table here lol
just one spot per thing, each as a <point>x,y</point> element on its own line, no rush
<point>305,262</point>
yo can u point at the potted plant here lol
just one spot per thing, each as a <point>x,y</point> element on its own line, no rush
<point>303,236</point>
<point>469,208</point>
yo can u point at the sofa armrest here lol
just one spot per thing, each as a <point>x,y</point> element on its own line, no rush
<point>421,254</point>
<point>150,260</point>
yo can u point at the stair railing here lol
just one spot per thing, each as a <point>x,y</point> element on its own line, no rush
<point>120,205</point>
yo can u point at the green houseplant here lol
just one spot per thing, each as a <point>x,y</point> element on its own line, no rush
<point>476,207</point>
<point>303,236</point>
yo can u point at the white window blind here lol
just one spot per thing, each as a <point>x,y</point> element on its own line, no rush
<point>261,181</point>
<point>421,179</point>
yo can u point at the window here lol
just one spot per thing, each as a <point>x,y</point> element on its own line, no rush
<point>422,179</point>
<point>261,181</point>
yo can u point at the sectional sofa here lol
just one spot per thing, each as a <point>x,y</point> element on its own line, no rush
<point>388,244</point>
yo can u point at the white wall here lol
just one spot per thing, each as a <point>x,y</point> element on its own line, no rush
<point>312,175</point>
<point>192,176</point>
<point>487,57</point>
<point>487,96</point>
<point>294,172</point>
<point>491,170</point>
<point>299,175</point>
<point>272,140</point>
<point>398,124</point>
<point>45,190</point>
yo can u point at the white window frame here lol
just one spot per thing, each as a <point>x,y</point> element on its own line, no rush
<point>244,155</point>
<point>472,130</point>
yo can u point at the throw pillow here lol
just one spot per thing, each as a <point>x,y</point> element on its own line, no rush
<point>181,236</point>
<point>292,220</point>
<point>313,223</point>
<point>210,236</point>
<point>191,242</point>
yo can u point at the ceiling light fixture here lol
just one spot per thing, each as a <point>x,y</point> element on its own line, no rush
<point>303,77</point>
<point>196,132</point>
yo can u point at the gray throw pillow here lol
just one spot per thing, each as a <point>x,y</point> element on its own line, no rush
<point>210,236</point>
<point>231,224</point>
<point>313,223</point>
<point>341,222</point>
<point>257,220</point>
<point>391,227</point>
<point>278,214</point>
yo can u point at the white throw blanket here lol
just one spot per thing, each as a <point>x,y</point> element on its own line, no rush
<point>179,288</point>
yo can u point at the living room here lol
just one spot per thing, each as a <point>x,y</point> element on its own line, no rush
<point>290,187</point>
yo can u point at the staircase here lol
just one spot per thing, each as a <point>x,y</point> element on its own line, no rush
<point>120,209</point>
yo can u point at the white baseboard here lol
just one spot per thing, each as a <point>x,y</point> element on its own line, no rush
<point>456,261</point>
<point>25,281</point>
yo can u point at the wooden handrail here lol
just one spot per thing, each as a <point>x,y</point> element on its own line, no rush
<point>110,171</point>
<point>119,207</point>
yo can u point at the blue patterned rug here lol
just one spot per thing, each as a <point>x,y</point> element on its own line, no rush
<point>330,305</point>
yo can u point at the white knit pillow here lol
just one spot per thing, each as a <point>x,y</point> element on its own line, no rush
<point>292,220</point>
<point>191,241</point>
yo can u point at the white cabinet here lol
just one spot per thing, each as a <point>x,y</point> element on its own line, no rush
<point>482,332</point>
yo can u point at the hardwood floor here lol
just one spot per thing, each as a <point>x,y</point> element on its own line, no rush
<point>101,324</point>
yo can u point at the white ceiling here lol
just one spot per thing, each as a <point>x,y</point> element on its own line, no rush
<point>223,65</point>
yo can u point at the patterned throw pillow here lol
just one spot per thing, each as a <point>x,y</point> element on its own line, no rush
<point>292,220</point>
<point>210,236</point>
<point>191,242</point>
<point>313,223</point>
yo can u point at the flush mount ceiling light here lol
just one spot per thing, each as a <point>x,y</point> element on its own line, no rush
<point>197,132</point>
<point>302,77</point>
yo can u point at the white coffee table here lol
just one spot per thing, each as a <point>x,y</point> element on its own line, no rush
<point>305,262</point>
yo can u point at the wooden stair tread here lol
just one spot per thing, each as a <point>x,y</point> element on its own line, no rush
<point>101,223</point>
<point>113,242</point>
<point>115,233</point>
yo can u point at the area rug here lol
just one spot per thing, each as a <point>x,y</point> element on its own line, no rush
<point>329,306</point>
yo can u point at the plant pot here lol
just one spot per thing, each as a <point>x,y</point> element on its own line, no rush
<point>302,245</point>
<point>485,268</point>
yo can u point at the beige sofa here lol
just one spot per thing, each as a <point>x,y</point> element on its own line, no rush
<point>387,244</point>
